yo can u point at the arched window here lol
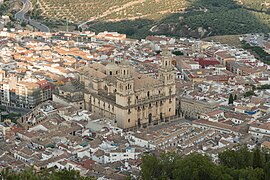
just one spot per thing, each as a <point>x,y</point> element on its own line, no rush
<point>148,94</point>
<point>110,72</point>
<point>150,118</point>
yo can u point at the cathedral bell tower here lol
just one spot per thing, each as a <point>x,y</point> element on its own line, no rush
<point>167,76</point>
<point>166,70</point>
<point>125,84</point>
<point>125,96</point>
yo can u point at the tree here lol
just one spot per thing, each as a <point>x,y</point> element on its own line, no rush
<point>3,8</point>
<point>196,166</point>
<point>258,159</point>
<point>236,164</point>
<point>129,31</point>
<point>150,168</point>
<point>48,174</point>
<point>228,158</point>
<point>239,159</point>
<point>23,24</point>
<point>168,164</point>
<point>235,97</point>
<point>178,53</point>
<point>230,99</point>
<point>244,157</point>
<point>265,86</point>
<point>158,52</point>
<point>67,175</point>
<point>267,170</point>
<point>249,93</point>
<point>250,174</point>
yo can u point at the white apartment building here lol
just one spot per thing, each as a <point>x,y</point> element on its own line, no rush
<point>259,130</point>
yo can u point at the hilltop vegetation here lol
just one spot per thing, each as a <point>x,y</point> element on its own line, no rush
<point>233,165</point>
<point>139,18</point>
<point>45,174</point>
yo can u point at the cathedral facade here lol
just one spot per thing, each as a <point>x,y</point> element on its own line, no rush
<point>131,99</point>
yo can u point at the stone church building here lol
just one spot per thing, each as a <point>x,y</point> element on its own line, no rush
<point>131,99</point>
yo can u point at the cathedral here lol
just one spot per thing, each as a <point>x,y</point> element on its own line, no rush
<point>130,99</point>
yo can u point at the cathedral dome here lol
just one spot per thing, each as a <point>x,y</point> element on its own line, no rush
<point>111,66</point>
<point>112,69</point>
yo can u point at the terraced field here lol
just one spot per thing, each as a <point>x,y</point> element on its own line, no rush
<point>139,18</point>
<point>114,10</point>
<point>82,10</point>
<point>149,9</point>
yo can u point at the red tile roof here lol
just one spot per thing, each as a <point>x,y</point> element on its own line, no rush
<point>204,62</point>
<point>44,84</point>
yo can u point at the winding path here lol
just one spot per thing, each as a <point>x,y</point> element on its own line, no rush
<point>20,16</point>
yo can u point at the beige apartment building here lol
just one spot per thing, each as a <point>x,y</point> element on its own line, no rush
<point>191,108</point>
<point>28,94</point>
<point>131,99</point>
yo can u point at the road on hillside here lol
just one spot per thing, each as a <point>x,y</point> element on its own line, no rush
<point>27,6</point>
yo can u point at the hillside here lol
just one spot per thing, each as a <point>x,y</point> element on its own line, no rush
<point>116,10</point>
<point>232,40</point>
<point>138,18</point>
